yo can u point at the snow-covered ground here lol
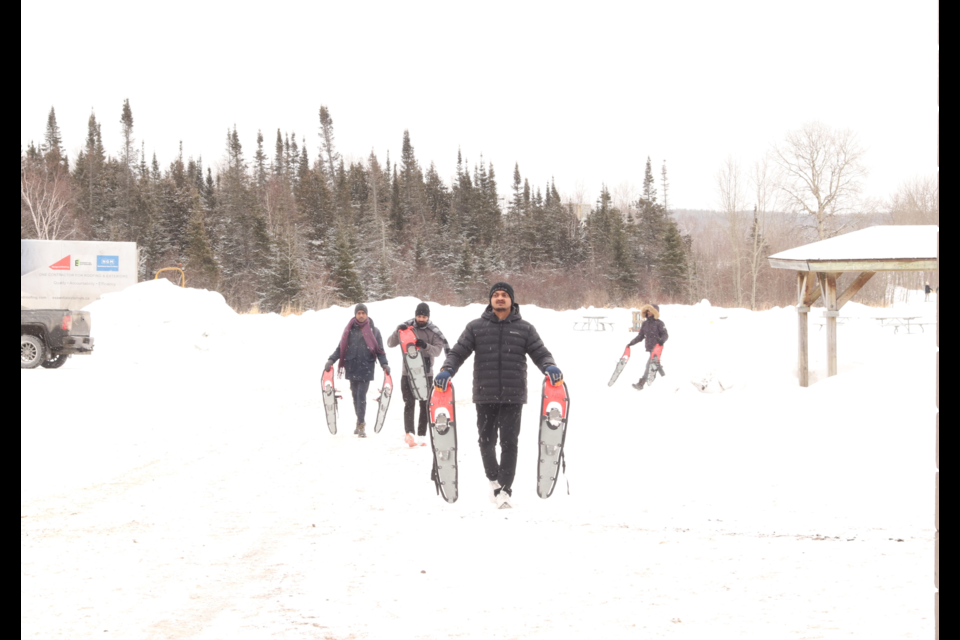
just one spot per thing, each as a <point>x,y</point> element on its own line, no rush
<point>181,483</point>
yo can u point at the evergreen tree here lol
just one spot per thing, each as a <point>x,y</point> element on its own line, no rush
<point>464,272</point>
<point>396,206</point>
<point>438,198</point>
<point>201,264</point>
<point>345,277</point>
<point>412,189</point>
<point>260,166</point>
<point>53,143</point>
<point>673,263</point>
<point>327,146</point>
<point>88,177</point>
<point>649,184</point>
<point>245,245</point>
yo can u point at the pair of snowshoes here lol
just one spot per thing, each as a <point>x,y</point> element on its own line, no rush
<point>554,414</point>
<point>654,369</point>
<point>330,398</point>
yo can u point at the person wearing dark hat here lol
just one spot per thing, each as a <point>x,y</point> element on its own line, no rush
<point>361,346</point>
<point>432,343</point>
<point>501,340</point>
<point>653,333</point>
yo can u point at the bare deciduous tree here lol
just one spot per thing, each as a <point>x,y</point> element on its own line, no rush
<point>46,199</point>
<point>625,198</point>
<point>732,194</point>
<point>821,173</point>
<point>763,184</point>
<point>916,202</point>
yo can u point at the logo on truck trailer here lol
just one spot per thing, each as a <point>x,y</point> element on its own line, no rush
<point>63,265</point>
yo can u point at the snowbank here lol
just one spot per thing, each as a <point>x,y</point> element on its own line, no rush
<point>181,482</point>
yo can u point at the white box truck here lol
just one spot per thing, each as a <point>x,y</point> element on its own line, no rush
<point>56,280</point>
<point>71,275</point>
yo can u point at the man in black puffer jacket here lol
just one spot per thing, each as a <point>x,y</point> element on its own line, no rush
<point>501,341</point>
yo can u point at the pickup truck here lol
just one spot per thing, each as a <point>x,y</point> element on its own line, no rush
<point>49,338</point>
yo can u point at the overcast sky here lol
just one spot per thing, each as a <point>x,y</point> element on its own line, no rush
<point>583,91</point>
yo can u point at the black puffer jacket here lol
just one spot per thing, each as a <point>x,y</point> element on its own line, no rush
<point>654,332</point>
<point>501,348</point>
<point>359,363</point>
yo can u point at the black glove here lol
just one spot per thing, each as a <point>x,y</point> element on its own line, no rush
<point>402,327</point>
<point>421,344</point>
<point>386,370</point>
<point>328,366</point>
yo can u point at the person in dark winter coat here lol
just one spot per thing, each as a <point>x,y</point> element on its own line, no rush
<point>653,334</point>
<point>501,340</point>
<point>432,344</point>
<point>361,346</point>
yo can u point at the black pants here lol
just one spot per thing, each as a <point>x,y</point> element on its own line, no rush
<point>359,391</point>
<point>646,374</point>
<point>410,403</point>
<point>502,420</point>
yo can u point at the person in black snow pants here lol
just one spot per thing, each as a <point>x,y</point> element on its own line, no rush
<point>501,340</point>
<point>653,333</point>
<point>432,343</point>
<point>361,346</point>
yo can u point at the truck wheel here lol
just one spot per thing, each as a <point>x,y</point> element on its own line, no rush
<point>56,362</point>
<point>33,352</point>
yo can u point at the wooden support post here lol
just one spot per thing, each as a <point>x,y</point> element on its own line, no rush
<point>828,286</point>
<point>803,315</point>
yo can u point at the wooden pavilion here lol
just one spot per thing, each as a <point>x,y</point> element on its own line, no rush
<point>864,253</point>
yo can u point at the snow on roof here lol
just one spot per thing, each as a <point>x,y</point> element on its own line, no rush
<point>875,243</point>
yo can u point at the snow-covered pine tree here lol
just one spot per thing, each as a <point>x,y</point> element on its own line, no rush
<point>672,269</point>
<point>53,143</point>
<point>200,262</point>
<point>345,277</point>
<point>88,176</point>
<point>328,150</point>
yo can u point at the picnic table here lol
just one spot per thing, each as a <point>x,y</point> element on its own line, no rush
<point>593,323</point>
<point>897,322</point>
<point>900,322</point>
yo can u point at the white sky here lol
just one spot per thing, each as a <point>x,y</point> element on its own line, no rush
<point>582,91</point>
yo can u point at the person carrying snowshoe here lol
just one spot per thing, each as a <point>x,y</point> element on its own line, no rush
<point>361,346</point>
<point>501,340</point>
<point>653,333</point>
<point>432,343</point>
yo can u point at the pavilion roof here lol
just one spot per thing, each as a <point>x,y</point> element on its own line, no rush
<point>884,248</point>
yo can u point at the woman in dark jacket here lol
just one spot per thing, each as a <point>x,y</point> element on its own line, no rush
<point>653,334</point>
<point>361,346</point>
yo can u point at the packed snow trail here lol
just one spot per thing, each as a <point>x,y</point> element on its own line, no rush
<point>193,491</point>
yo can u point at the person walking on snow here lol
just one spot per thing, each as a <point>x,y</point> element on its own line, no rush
<point>501,340</point>
<point>361,346</point>
<point>432,343</point>
<point>654,334</point>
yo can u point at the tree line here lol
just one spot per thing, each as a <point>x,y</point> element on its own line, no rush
<point>292,225</point>
<point>283,227</point>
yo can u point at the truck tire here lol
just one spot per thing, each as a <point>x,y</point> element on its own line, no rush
<point>56,362</point>
<point>33,352</point>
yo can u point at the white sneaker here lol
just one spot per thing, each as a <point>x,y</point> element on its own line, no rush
<point>503,501</point>
<point>493,491</point>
